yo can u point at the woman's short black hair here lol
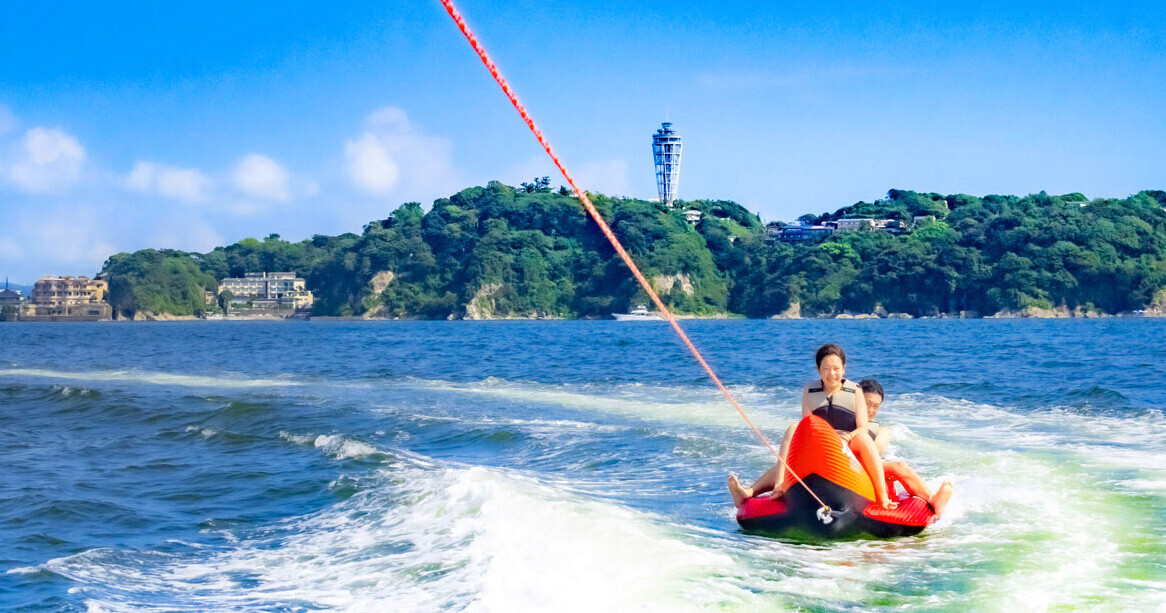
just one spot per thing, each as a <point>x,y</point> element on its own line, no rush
<point>870,386</point>
<point>829,349</point>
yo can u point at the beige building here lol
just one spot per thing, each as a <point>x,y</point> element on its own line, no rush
<point>274,290</point>
<point>855,224</point>
<point>70,297</point>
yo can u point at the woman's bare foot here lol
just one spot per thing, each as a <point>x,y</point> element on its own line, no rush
<point>942,495</point>
<point>887,504</point>
<point>740,494</point>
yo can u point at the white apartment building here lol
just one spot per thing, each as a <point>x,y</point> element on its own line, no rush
<point>277,290</point>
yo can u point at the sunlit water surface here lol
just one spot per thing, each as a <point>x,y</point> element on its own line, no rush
<point>579,466</point>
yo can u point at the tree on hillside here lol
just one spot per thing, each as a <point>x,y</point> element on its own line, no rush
<point>539,185</point>
<point>531,251</point>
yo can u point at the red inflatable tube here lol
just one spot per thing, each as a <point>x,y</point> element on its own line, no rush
<point>816,453</point>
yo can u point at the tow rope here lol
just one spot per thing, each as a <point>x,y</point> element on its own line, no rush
<point>623,254</point>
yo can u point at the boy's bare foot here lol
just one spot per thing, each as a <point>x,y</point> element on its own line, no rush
<point>740,494</point>
<point>942,495</point>
<point>887,504</point>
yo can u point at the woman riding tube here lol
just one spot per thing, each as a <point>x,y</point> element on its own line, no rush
<point>839,401</point>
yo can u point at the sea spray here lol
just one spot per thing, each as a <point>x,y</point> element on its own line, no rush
<point>408,464</point>
<point>430,540</point>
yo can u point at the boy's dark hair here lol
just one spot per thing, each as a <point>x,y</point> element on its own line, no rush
<point>829,349</point>
<point>870,386</point>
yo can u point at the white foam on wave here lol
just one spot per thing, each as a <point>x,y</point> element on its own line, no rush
<point>1105,444</point>
<point>550,424</point>
<point>1025,502</point>
<point>154,378</point>
<point>1045,497</point>
<point>24,570</point>
<point>474,539</point>
<point>542,428</point>
<point>686,405</point>
<point>69,392</point>
<point>559,552</point>
<point>204,432</point>
<point>534,425</point>
<point>1017,536</point>
<point>338,446</point>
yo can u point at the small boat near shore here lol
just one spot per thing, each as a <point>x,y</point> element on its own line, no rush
<point>640,313</point>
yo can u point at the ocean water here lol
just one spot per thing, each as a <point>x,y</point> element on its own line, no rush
<point>580,466</point>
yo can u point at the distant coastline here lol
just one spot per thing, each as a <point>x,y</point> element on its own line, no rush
<point>1035,314</point>
<point>499,252</point>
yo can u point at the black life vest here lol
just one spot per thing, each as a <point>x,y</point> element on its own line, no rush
<point>837,409</point>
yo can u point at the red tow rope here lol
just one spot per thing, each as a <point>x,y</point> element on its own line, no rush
<point>591,210</point>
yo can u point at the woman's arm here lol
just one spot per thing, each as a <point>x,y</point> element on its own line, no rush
<point>882,439</point>
<point>806,408</point>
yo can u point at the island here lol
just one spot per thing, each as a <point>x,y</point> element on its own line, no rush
<point>498,251</point>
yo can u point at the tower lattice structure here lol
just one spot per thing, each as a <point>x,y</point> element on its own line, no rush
<point>666,147</point>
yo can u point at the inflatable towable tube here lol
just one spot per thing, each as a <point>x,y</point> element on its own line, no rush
<point>816,454</point>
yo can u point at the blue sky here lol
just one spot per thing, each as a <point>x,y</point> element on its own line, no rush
<point>194,124</point>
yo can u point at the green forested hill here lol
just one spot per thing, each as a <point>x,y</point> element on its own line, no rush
<point>496,251</point>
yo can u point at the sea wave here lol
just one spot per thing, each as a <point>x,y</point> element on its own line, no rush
<point>153,378</point>
<point>688,405</point>
<point>430,540</point>
<point>337,446</point>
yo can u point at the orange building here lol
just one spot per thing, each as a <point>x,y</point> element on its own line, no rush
<point>70,297</point>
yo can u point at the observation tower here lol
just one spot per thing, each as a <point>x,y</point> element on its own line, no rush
<point>666,151</point>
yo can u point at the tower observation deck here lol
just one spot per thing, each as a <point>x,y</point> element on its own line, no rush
<point>666,152</point>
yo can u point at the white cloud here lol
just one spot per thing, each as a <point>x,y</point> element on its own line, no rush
<point>392,117</point>
<point>77,238</point>
<point>48,161</point>
<point>187,184</point>
<point>370,166</point>
<point>245,208</point>
<point>187,233</point>
<point>74,237</point>
<point>393,157</point>
<point>261,177</point>
<point>203,237</point>
<point>605,176</point>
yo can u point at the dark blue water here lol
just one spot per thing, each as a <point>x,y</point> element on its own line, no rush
<point>502,466</point>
